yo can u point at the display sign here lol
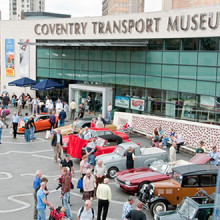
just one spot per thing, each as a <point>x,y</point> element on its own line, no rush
<point>137,104</point>
<point>121,101</point>
<point>24,58</point>
<point>9,57</point>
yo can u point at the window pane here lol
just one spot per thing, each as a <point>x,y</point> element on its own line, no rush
<point>208,180</point>
<point>94,76</point>
<point>95,65</point>
<point>68,64</point>
<point>187,72</point>
<point>42,62</point>
<point>43,72</point>
<point>82,54</point>
<point>55,63</point>
<point>68,74</point>
<point>188,58</point>
<point>187,85</point>
<point>43,53</point>
<point>170,70</point>
<point>153,82</point>
<point>190,44</point>
<point>155,44</point>
<point>154,57</point>
<point>172,44</point>
<point>55,53</point>
<point>138,68</point>
<point>207,58</point>
<point>171,57</point>
<point>81,75</point>
<point>137,80</point>
<point>138,56</point>
<point>123,55</point>
<point>218,92</point>
<point>108,67</point>
<point>108,78</point>
<point>206,88</point>
<point>209,43</point>
<point>207,73</point>
<point>169,84</point>
<point>109,55</point>
<point>218,59</point>
<point>122,79</point>
<point>122,67</point>
<point>82,65</point>
<point>68,54</point>
<point>95,54</point>
<point>153,69</point>
<point>56,73</point>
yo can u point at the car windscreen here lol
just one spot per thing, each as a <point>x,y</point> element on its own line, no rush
<point>119,150</point>
<point>160,166</point>
<point>100,142</point>
<point>177,177</point>
<point>187,209</point>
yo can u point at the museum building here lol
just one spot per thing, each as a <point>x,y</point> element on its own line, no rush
<point>161,63</point>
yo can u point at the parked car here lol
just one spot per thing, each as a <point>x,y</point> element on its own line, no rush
<point>190,208</point>
<point>116,161</point>
<point>132,180</point>
<point>41,122</point>
<point>185,181</point>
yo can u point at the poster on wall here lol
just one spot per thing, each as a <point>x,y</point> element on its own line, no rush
<point>137,104</point>
<point>121,101</point>
<point>9,57</point>
<point>24,58</point>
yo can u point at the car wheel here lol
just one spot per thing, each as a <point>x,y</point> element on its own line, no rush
<point>158,206</point>
<point>112,172</point>
<point>141,186</point>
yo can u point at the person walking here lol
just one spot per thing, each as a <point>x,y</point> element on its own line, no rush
<point>83,168</point>
<point>137,214</point>
<point>130,157</point>
<point>89,104</point>
<point>172,154</point>
<point>15,122</point>
<point>62,116</point>
<point>59,106</point>
<point>47,102</point>
<point>27,129</point>
<point>65,194</point>
<point>36,184</point>
<point>5,101</point>
<point>109,109</point>
<point>52,120</point>
<point>86,212</point>
<point>42,202</point>
<point>20,106</point>
<point>66,109</point>
<point>72,110</point>
<point>127,207</point>
<point>34,105</point>
<point>90,150</point>
<point>66,162</point>
<point>32,123</point>
<point>50,107</point>
<point>56,144</point>
<point>104,196</point>
<point>100,172</point>
<point>3,116</point>
<point>1,127</point>
<point>89,185</point>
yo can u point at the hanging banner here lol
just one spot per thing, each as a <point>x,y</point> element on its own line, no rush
<point>121,101</point>
<point>137,104</point>
<point>9,57</point>
<point>24,58</point>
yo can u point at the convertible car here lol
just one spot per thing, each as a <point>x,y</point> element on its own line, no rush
<point>41,123</point>
<point>132,180</point>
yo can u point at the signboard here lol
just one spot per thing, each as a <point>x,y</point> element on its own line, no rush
<point>24,58</point>
<point>121,101</point>
<point>137,104</point>
<point>9,57</point>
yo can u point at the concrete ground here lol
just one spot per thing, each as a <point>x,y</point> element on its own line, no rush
<point>20,160</point>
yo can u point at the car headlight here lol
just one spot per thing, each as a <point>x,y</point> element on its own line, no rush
<point>127,182</point>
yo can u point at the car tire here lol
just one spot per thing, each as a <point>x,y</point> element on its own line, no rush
<point>141,185</point>
<point>158,206</point>
<point>112,172</point>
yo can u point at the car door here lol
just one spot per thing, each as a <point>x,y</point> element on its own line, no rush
<point>43,122</point>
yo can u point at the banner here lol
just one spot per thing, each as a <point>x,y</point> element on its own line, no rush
<point>137,104</point>
<point>121,101</point>
<point>24,58</point>
<point>9,57</point>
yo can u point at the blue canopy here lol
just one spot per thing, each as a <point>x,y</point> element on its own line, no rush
<point>23,82</point>
<point>47,84</point>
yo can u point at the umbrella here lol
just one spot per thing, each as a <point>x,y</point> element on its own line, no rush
<point>47,84</point>
<point>23,82</point>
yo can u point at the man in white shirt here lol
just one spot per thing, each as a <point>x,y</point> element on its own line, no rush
<point>109,109</point>
<point>34,104</point>
<point>66,109</point>
<point>50,107</point>
<point>47,102</point>
<point>72,110</point>
<point>87,134</point>
<point>59,106</point>
<point>179,141</point>
<point>173,152</point>
<point>86,212</point>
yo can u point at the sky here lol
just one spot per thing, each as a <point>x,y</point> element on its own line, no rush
<point>77,8</point>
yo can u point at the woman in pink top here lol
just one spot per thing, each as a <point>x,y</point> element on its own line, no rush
<point>89,184</point>
<point>83,168</point>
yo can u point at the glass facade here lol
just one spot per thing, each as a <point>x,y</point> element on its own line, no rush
<point>177,78</point>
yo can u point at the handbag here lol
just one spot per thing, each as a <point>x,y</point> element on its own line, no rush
<point>80,184</point>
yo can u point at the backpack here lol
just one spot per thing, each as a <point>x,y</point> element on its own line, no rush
<point>93,214</point>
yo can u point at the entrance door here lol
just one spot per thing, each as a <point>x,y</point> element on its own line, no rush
<point>96,102</point>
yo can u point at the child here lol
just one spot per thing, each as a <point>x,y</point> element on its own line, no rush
<point>62,213</point>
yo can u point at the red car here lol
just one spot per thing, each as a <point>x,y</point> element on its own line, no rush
<point>132,180</point>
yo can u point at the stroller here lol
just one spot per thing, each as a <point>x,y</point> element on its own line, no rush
<point>55,214</point>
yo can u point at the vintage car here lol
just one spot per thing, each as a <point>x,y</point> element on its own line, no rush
<point>190,208</point>
<point>116,161</point>
<point>132,180</point>
<point>7,112</point>
<point>185,181</point>
<point>41,122</point>
<point>76,146</point>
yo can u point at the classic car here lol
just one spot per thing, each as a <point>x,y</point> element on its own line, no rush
<point>41,122</point>
<point>185,181</point>
<point>76,146</point>
<point>132,180</point>
<point>116,160</point>
<point>7,112</point>
<point>190,208</point>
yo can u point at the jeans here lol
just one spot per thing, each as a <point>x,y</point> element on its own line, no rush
<point>46,110</point>
<point>109,116</point>
<point>164,141</point>
<point>91,159</point>
<point>32,133</point>
<point>61,122</point>
<point>5,106</point>
<point>41,214</point>
<point>27,135</point>
<point>66,205</point>
<point>0,135</point>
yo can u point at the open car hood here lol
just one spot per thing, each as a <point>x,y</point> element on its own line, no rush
<point>200,159</point>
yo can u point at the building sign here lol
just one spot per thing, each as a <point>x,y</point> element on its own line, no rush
<point>9,57</point>
<point>143,24</point>
<point>121,101</point>
<point>137,104</point>
<point>24,58</point>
